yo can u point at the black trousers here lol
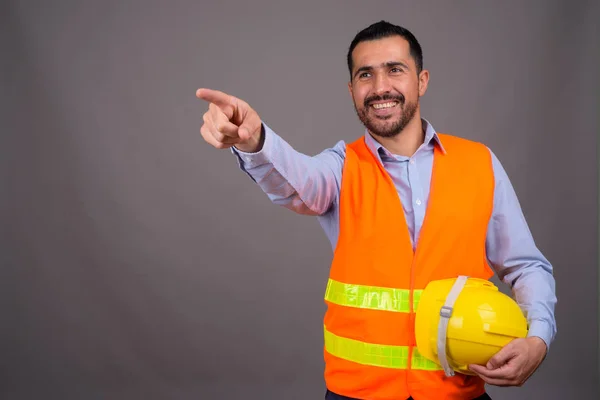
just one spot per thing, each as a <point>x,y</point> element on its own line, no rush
<point>332,396</point>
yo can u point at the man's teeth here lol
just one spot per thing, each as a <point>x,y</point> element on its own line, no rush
<point>384,105</point>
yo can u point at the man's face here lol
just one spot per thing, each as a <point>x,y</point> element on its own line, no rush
<point>385,87</point>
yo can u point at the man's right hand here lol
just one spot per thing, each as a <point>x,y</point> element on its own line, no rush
<point>229,122</point>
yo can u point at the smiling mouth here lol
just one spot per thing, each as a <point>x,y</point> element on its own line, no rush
<point>383,106</point>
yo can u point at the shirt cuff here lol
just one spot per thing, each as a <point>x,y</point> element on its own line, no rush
<point>261,157</point>
<point>543,330</point>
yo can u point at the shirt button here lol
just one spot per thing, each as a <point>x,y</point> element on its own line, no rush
<point>418,202</point>
<point>412,162</point>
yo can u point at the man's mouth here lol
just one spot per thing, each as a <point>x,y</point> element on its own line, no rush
<point>382,106</point>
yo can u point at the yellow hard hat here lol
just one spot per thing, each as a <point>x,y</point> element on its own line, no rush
<point>462,321</point>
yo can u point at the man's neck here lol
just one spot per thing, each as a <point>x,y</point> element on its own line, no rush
<point>407,141</point>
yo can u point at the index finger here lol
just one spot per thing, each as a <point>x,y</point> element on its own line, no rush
<point>504,372</point>
<point>222,100</point>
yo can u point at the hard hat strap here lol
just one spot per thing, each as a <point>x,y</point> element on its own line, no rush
<point>445,314</point>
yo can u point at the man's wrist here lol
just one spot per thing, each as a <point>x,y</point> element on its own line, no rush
<point>255,144</point>
<point>539,343</point>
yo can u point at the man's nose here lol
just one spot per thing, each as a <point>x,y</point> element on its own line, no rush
<point>382,84</point>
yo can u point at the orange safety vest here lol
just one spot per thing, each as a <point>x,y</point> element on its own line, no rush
<point>376,278</point>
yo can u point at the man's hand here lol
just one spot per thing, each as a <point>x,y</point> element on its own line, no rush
<point>514,363</point>
<point>230,121</point>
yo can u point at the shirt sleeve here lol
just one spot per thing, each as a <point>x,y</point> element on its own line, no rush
<point>304,184</point>
<point>513,254</point>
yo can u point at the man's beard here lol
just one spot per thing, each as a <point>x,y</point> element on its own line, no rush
<point>377,126</point>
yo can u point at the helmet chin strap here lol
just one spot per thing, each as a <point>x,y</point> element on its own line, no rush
<point>445,314</point>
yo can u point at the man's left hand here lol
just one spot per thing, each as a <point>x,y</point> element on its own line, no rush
<point>514,363</point>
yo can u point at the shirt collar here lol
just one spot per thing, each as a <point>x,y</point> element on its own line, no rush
<point>431,139</point>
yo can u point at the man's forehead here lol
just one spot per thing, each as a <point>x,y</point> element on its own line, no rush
<point>378,51</point>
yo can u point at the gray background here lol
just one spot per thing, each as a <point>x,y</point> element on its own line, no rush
<point>139,263</point>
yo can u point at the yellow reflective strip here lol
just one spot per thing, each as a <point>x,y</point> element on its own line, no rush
<point>366,353</point>
<point>371,297</point>
<point>422,363</point>
<point>377,355</point>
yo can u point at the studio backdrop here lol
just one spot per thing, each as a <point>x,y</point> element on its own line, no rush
<point>138,262</point>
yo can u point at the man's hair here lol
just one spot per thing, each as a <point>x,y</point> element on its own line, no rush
<point>383,29</point>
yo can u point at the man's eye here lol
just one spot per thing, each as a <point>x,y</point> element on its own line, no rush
<point>364,75</point>
<point>396,70</point>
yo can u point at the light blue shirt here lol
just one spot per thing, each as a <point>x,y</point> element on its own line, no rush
<point>311,185</point>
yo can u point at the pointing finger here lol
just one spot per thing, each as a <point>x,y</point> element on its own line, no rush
<point>222,100</point>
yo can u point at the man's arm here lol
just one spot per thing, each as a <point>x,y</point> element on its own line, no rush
<point>512,252</point>
<point>304,184</point>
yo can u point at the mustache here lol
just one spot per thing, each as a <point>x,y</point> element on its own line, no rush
<point>386,97</point>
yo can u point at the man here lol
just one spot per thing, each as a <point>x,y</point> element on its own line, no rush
<point>403,205</point>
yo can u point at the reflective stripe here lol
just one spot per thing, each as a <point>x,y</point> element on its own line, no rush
<point>376,354</point>
<point>371,297</point>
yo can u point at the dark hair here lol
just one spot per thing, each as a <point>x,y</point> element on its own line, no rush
<point>383,29</point>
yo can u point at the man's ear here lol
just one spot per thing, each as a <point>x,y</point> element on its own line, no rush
<point>423,82</point>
